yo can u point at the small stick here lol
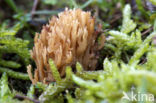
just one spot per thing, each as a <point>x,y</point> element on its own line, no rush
<point>34,7</point>
<point>117,17</point>
<point>147,31</point>
<point>25,97</point>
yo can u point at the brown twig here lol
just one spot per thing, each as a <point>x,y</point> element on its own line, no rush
<point>147,31</point>
<point>117,17</point>
<point>34,7</point>
<point>25,97</point>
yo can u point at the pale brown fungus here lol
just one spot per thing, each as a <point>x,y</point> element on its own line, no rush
<point>68,38</point>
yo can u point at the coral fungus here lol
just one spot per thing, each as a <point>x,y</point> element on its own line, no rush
<point>68,38</point>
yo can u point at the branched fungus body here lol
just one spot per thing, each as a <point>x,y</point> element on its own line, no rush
<point>68,38</point>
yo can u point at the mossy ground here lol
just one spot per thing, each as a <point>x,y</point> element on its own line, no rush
<point>126,62</point>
